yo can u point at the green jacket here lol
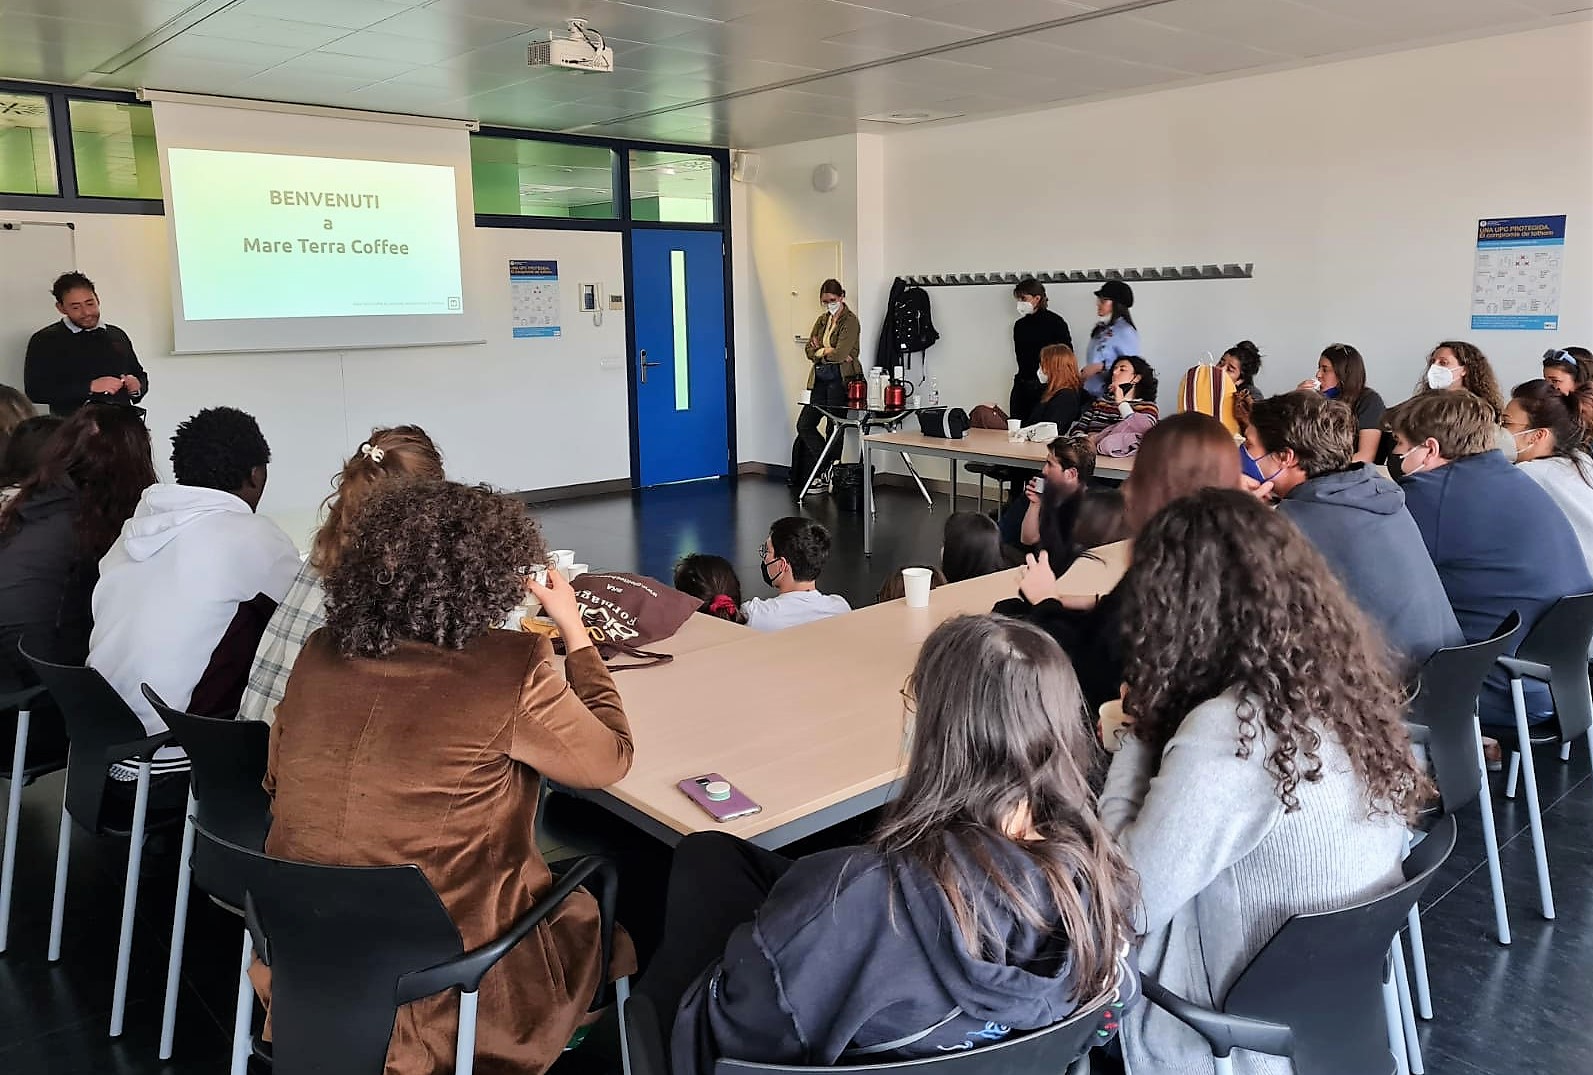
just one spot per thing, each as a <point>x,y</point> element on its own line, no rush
<point>848,343</point>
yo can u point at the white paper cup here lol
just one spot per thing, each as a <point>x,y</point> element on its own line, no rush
<point>562,559</point>
<point>1013,425</point>
<point>915,580</point>
<point>805,398</point>
<point>1111,725</point>
<point>576,571</point>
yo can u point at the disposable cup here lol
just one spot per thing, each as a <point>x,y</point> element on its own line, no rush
<point>915,580</point>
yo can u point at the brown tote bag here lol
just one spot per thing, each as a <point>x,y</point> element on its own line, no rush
<point>624,613</point>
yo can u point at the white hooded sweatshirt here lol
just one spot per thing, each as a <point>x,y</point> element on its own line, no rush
<point>171,585</point>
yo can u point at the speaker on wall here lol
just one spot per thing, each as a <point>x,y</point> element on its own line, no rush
<point>744,167</point>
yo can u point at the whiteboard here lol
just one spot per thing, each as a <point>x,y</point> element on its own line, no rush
<point>32,255</point>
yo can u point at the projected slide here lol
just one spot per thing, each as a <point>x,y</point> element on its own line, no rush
<point>265,235</point>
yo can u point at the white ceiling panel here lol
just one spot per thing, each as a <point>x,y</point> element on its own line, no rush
<point>241,26</point>
<point>1143,41</point>
<point>1007,15</point>
<point>349,14</point>
<point>757,72</point>
<point>373,44</point>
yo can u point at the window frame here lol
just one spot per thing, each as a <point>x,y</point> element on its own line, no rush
<point>69,200</point>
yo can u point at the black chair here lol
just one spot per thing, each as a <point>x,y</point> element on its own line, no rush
<point>1554,652</point>
<point>1443,720</point>
<point>1054,1050</point>
<point>101,731</point>
<point>348,945</point>
<point>23,772</point>
<point>226,795</point>
<point>1320,991</point>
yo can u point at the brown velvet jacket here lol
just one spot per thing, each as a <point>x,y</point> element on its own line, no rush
<point>432,756</point>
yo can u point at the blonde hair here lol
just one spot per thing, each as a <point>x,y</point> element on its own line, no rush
<point>404,452</point>
<point>15,408</point>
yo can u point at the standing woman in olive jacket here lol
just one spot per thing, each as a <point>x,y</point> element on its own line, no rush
<point>832,347</point>
<point>1035,329</point>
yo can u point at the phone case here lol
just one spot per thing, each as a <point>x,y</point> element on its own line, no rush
<point>738,805</point>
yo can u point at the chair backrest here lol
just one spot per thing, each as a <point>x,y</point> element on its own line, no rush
<point>1560,639</point>
<point>1322,974</point>
<point>228,760</point>
<point>1451,680</point>
<point>338,939</point>
<point>1047,1051</point>
<point>101,729</point>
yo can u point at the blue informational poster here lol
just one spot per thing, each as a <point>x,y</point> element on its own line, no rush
<point>534,299</point>
<point>1516,281</point>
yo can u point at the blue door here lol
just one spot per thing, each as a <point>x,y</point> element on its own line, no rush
<point>680,360</point>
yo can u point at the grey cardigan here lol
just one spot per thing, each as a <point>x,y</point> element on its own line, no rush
<point>1222,866</point>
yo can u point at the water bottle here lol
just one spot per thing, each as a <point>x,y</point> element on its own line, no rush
<point>934,392</point>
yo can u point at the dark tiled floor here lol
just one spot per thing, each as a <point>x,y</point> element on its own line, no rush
<point>1499,1011</point>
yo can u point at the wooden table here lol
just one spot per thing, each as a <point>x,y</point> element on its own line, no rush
<point>976,446</point>
<point>807,721</point>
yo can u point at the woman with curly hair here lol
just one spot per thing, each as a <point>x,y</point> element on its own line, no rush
<point>412,730</point>
<point>1267,771</point>
<point>398,453</point>
<point>1455,365</point>
<point>58,525</point>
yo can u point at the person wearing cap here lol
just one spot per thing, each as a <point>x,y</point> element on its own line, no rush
<point>1568,368</point>
<point>1113,337</point>
<point>80,358</point>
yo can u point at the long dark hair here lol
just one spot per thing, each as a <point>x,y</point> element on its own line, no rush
<point>1147,386</point>
<point>27,441</point>
<point>1249,356</point>
<point>1281,636</point>
<point>712,581</point>
<point>972,547</point>
<point>104,450</point>
<point>999,731</point>
<point>1350,368</point>
<point>1568,419</point>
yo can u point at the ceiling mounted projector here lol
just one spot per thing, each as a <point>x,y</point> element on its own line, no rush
<point>576,49</point>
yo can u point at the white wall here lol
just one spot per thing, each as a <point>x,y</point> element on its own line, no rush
<point>521,414</point>
<point>1355,188</point>
<point>780,209</point>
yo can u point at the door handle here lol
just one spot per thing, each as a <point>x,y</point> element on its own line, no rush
<point>646,365</point>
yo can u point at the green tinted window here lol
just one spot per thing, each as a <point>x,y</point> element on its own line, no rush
<point>27,157</point>
<point>525,177</point>
<point>113,144</point>
<point>674,187</point>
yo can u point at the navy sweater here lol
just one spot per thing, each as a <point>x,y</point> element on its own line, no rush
<point>1500,544</point>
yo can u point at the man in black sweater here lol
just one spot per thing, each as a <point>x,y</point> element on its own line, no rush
<point>78,358</point>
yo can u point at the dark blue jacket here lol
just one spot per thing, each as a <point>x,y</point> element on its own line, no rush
<point>856,956</point>
<point>1357,520</point>
<point>1501,544</point>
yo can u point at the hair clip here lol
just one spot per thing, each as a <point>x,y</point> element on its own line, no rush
<point>373,454</point>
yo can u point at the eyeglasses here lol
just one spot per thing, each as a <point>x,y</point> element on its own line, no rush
<point>909,701</point>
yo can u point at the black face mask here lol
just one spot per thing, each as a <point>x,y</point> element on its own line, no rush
<point>768,579</point>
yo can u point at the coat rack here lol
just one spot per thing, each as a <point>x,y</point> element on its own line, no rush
<point>1230,271</point>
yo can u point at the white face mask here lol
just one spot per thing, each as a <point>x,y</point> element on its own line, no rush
<point>1407,471</point>
<point>832,308</point>
<point>1045,378</point>
<point>1024,309</point>
<point>1439,377</point>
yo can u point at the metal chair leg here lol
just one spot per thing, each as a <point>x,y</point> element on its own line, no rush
<point>1418,962</point>
<point>1413,1046</point>
<point>179,932</point>
<point>622,997</point>
<point>1565,751</point>
<point>8,866</point>
<point>135,858</point>
<point>1490,843</point>
<point>63,851</point>
<point>1222,1065</point>
<point>465,1051</point>
<point>243,1012</point>
<point>922,489</point>
<point>1396,1026</point>
<point>1513,775</point>
<point>1534,812</point>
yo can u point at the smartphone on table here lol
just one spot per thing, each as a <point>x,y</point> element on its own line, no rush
<point>722,800</point>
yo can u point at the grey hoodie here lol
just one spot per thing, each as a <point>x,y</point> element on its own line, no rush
<point>1358,521</point>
